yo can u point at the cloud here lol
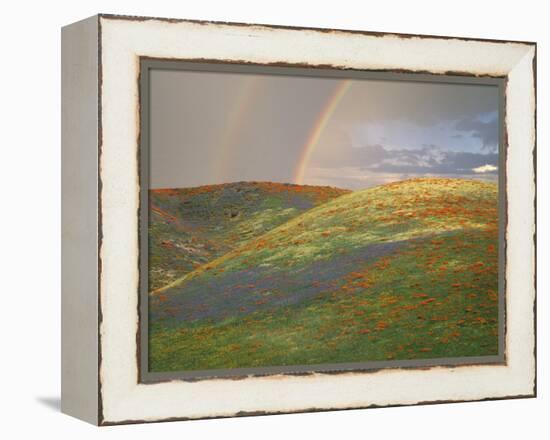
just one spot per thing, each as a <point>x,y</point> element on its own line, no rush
<point>428,159</point>
<point>485,169</point>
<point>485,131</point>
<point>370,165</point>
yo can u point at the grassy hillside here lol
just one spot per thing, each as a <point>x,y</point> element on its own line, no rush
<point>401,271</point>
<point>189,227</point>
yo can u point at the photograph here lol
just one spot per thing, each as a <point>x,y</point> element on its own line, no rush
<point>308,220</point>
<point>275,220</point>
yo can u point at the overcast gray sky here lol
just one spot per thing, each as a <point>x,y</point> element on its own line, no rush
<point>209,128</point>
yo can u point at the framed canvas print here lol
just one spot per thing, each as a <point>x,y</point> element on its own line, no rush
<point>263,220</point>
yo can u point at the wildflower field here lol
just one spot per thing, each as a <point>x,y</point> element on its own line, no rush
<point>267,274</point>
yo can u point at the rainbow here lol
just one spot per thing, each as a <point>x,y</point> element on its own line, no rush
<point>318,128</point>
<point>234,123</point>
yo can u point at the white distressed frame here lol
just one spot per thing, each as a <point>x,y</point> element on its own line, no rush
<point>122,41</point>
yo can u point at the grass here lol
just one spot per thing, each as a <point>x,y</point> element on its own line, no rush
<point>192,226</point>
<point>401,271</point>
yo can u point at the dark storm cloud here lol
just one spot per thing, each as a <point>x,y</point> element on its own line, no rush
<point>428,160</point>
<point>485,131</point>
<point>425,104</point>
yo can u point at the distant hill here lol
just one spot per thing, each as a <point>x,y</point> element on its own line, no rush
<point>191,226</point>
<point>406,270</point>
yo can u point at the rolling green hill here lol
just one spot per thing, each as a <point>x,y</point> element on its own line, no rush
<point>406,270</point>
<point>191,226</point>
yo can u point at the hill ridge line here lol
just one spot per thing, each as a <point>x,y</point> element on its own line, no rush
<point>224,257</point>
<point>296,220</point>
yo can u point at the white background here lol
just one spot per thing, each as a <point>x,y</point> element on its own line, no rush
<point>30,217</point>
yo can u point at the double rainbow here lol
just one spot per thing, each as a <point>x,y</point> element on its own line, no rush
<point>235,120</point>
